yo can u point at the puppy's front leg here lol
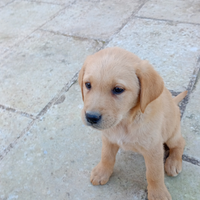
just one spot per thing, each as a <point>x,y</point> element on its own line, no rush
<point>102,172</point>
<point>155,174</point>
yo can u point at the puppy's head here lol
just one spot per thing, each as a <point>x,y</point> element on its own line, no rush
<point>114,81</point>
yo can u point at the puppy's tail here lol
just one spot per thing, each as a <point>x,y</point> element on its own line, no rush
<point>180,97</point>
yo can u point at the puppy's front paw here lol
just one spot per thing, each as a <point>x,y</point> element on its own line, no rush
<point>173,166</point>
<point>159,194</point>
<point>100,174</point>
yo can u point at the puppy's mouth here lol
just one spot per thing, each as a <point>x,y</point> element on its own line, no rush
<point>98,121</point>
<point>96,126</point>
<point>101,126</point>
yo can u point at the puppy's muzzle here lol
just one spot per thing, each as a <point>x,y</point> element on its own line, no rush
<point>93,117</point>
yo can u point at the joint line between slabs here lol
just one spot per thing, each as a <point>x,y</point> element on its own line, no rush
<point>74,36</point>
<point>166,20</point>
<point>191,160</point>
<point>63,90</point>
<point>9,109</point>
<point>127,21</point>
<point>12,145</point>
<point>42,112</point>
<point>190,86</point>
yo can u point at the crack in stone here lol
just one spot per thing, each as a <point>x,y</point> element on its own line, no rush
<point>58,96</point>
<point>128,19</point>
<point>190,86</point>
<point>60,100</point>
<point>186,158</point>
<point>191,160</point>
<point>194,77</point>
<point>167,20</point>
<point>12,145</point>
<point>183,103</point>
<point>9,109</point>
<point>174,93</point>
<point>77,37</point>
<point>196,74</point>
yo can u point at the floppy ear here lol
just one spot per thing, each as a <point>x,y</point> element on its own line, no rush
<point>81,74</point>
<point>151,83</point>
<point>80,80</point>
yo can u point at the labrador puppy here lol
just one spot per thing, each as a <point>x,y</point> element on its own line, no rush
<point>126,98</point>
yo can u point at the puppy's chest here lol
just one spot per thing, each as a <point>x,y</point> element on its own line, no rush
<point>127,139</point>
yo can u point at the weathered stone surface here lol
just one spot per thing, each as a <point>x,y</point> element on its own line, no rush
<point>171,48</point>
<point>93,19</point>
<point>186,185</point>
<point>11,126</point>
<point>179,10</point>
<point>21,18</point>
<point>191,123</point>
<point>5,2</point>
<point>42,65</point>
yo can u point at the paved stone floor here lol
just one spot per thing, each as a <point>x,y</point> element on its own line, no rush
<point>46,153</point>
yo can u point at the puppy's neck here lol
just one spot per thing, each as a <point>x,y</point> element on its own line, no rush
<point>134,116</point>
<point>134,112</point>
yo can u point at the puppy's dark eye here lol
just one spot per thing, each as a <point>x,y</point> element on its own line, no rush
<point>117,90</point>
<point>88,85</point>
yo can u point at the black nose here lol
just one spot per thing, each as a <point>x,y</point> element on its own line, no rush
<point>93,117</point>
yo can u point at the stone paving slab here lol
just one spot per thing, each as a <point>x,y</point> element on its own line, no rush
<point>21,18</point>
<point>11,127</point>
<point>5,2</point>
<point>191,123</point>
<point>172,48</point>
<point>186,185</point>
<point>179,10</point>
<point>93,19</point>
<point>54,160</point>
<point>42,65</point>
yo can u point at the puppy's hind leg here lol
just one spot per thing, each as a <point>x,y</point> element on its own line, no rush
<point>176,144</point>
<point>102,172</point>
